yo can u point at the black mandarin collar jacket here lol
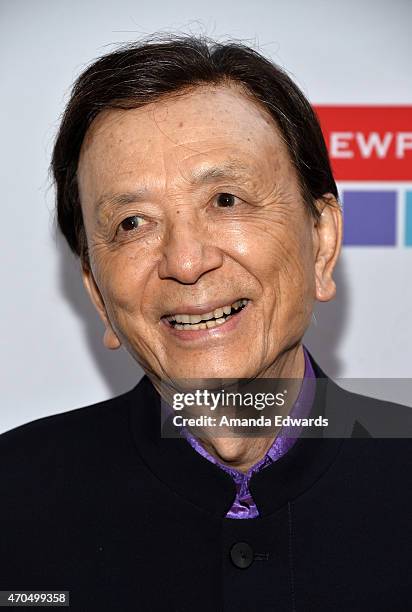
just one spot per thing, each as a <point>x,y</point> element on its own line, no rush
<point>96,502</point>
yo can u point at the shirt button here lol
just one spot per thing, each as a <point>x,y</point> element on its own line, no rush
<point>241,555</point>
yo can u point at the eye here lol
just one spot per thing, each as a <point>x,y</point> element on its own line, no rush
<point>226,200</point>
<point>131,223</point>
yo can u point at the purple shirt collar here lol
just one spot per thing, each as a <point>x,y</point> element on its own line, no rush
<point>244,505</point>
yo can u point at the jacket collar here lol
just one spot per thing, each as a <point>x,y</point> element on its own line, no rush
<point>178,466</point>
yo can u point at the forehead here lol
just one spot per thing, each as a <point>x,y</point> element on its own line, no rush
<point>177,137</point>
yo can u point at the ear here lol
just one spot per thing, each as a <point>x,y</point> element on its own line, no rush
<point>327,244</point>
<point>110,339</point>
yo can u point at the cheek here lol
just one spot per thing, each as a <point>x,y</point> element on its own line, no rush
<point>273,252</point>
<point>297,280</point>
<point>120,281</point>
<point>280,258</point>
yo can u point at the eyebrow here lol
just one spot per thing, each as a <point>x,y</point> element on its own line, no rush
<point>228,170</point>
<point>121,199</point>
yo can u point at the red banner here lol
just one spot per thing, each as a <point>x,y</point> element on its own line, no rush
<point>368,143</point>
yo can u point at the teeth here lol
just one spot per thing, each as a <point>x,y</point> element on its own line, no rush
<point>207,316</point>
<point>206,320</point>
<point>195,319</point>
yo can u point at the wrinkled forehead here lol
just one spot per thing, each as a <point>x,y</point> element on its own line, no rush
<point>179,136</point>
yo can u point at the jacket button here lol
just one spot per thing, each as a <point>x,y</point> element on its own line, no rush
<point>241,555</point>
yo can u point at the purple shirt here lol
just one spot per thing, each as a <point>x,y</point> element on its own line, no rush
<point>244,506</point>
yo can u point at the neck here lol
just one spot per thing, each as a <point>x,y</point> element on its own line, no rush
<point>243,453</point>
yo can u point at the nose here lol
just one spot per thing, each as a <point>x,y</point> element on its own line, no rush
<point>188,252</point>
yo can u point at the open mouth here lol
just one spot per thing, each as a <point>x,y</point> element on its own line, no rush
<point>206,320</point>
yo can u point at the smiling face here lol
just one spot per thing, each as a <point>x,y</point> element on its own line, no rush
<point>204,261</point>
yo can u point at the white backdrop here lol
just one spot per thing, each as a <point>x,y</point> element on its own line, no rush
<point>348,52</point>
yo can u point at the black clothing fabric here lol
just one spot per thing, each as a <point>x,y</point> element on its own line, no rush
<point>94,501</point>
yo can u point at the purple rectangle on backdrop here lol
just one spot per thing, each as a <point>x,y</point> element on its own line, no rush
<point>369,218</point>
<point>408,219</point>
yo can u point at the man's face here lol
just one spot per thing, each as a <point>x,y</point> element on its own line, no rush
<point>193,212</point>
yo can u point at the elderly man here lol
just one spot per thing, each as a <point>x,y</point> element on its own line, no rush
<point>194,184</point>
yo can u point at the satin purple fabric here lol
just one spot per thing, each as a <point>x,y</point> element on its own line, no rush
<point>244,506</point>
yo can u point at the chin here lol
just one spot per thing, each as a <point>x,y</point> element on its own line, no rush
<point>200,374</point>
